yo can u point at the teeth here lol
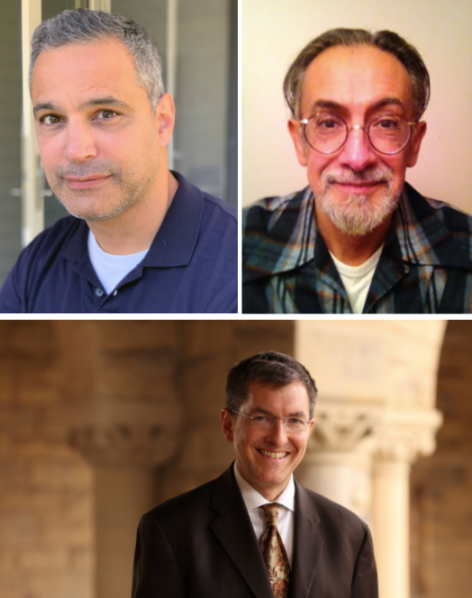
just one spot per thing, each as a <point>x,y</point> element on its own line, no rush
<point>273,455</point>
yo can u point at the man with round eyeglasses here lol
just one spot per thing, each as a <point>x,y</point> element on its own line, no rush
<point>254,531</point>
<point>358,239</point>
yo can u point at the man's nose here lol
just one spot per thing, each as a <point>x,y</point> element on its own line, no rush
<point>278,433</point>
<point>80,142</point>
<point>357,152</point>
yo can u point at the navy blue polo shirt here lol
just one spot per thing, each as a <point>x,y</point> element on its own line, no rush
<point>191,266</point>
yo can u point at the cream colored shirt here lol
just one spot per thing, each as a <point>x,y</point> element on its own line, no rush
<point>253,501</point>
<point>357,279</point>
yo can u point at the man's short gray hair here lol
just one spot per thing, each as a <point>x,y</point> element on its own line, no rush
<point>83,26</point>
<point>387,41</point>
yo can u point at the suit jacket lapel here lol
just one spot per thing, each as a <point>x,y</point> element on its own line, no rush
<point>307,544</point>
<point>234,531</point>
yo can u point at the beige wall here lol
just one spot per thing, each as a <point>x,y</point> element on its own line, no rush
<point>274,32</point>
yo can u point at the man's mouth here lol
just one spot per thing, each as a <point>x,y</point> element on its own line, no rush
<point>358,186</point>
<point>85,182</point>
<point>272,454</point>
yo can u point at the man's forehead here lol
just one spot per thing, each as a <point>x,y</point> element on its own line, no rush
<point>70,59</point>
<point>266,395</point>
<point>359,75</point>
<point>85,74</point>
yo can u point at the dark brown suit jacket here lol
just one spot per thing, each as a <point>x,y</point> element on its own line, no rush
<point>202,545</point>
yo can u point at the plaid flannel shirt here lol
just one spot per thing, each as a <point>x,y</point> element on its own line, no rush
<point>425,265</point>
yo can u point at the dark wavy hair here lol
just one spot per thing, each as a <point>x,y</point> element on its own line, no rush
<point>387,41</point>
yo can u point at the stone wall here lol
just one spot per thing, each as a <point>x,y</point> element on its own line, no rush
<point>46,489</point>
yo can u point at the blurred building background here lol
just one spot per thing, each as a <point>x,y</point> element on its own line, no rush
<point>100,421</point>
<point>197,40</point>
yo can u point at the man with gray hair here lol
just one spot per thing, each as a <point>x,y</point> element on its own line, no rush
<point>141,238</point>
<point>358,239</point>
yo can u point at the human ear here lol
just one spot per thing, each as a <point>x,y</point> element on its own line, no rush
<point>310,427</point>
<point>165,117</point>
<point>227,424</point>
<point>298,141</point>
<point>415,145</point>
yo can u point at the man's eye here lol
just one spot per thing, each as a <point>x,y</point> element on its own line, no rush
<point>387,123</point>
<point>106,114</point>
<point>260,418</point>
<point>296,421</point>
<point>327,123</point>
<point>49,119</point>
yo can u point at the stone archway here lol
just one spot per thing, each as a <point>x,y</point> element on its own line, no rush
<point>376,416</point>
<point>441,486</point>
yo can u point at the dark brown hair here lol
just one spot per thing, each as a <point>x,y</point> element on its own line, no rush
<point>271,369</point>
<point>387,41</point>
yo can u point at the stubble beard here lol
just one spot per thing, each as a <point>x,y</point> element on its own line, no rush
<point>357,214</point>
<point>92,204</point>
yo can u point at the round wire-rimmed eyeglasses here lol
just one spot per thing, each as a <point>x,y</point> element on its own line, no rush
<point>265,422</point>
<point>328,133</point>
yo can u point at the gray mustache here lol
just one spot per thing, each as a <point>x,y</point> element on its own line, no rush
<point>370,176</point>
<point>83,170</point>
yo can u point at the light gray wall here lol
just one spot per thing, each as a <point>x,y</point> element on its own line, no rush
<point>200,139</point>
<point>10,120</point>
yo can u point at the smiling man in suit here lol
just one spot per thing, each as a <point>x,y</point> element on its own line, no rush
<point>254,531</point>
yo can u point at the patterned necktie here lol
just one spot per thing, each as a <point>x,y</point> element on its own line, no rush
<point>274,554</point>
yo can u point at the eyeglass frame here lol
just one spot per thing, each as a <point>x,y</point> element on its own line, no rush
<point>273,418</point>
<point>304,122</point>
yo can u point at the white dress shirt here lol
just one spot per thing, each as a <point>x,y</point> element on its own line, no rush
<point>254,501</point>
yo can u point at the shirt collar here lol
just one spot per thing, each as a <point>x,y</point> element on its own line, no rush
<point>290,235</point>
<point>253,499</point>
<point>175,240</point>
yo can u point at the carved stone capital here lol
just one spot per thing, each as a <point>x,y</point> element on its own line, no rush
<point>123,445</point>
<point>405,435</point>
<point>400,435</point>
<point>341,428</point>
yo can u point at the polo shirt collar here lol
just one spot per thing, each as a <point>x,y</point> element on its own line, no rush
<point>253,499</point>
<point>175,240</point>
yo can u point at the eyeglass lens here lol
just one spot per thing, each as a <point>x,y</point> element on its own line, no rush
<point>294,424</point>
<point>327,133</point>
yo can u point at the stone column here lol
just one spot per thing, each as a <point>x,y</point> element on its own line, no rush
<point>124,459</point>
<point>338,459</point>
<point>401,438</point>
<point>207,352</point>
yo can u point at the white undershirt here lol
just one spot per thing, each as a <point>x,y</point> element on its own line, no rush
<point>253,501</point>
<point>357,279</point>
<point>111,269</point>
